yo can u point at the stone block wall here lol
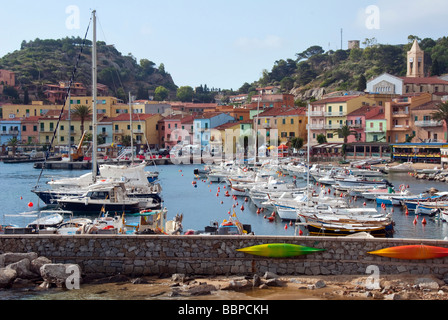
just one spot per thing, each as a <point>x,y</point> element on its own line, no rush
<point>217,255</point>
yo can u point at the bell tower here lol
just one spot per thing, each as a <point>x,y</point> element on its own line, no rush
<point>416,61</point>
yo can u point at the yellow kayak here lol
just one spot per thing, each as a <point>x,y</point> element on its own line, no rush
<point>279,250</point>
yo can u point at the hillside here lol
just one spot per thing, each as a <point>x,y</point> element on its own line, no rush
<point>42,62</point>
<point>315,72</point>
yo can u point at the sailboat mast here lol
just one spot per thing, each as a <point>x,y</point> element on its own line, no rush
<point>132,129</point>
<point>94,102</point>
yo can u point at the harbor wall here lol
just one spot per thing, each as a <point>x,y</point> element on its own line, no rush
<point>216,255</point>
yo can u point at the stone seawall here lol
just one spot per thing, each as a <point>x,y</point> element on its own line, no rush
<point>216,255</point>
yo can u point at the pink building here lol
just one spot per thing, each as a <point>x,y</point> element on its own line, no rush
<point>356,120</point>
<point>176,129</point>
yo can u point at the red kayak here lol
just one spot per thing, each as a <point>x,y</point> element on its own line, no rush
<point>418,252</point>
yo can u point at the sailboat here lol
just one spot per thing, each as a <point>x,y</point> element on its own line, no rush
<point>105,180</point>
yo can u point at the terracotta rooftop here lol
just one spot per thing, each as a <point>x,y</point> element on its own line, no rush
<point>334,99</point>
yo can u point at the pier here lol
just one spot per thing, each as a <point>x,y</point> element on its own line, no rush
<point>217,255</point>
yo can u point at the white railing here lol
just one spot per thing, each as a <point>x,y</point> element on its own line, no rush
<point>431,123</point>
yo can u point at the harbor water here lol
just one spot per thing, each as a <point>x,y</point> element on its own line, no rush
<point>200,203</point>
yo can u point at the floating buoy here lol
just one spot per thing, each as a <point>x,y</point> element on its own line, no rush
<point>415,220</point>
<point>246,200</point>
<point>290,223</point>
<point>424,221</point>
<point>30,205</point>
<point>364,204</point>
<point>407,211</point>
<point>21,198</point>
<point>300,233</point>
<point>222,202</point>
<point>242,208</point>
<point>217,194</point>
<point>258,211</point>
<point>194,182</point>
<point>286,226</point>
<point>273,214</point>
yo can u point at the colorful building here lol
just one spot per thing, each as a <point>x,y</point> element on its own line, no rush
<point>425,128</point>
<point>144,128</point>
<point>398,116</point>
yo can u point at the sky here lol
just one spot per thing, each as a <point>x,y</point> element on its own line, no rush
<point>226,43</point>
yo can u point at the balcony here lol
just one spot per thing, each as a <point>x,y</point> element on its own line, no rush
<point>401,113</point>
<point>317,126</point>
<point>335,114</point>
<point>401,128</point>
<point>333,126</point>
<point>316,114</point>
<point>431,123</point>
<point>118,131</point>
<point>375,131</point>
<point>356,126</point>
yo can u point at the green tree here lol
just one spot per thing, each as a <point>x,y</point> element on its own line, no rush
<point>297,143</point>
<point>345,132</point>
<point>13,142</point>
<point>82,112</point>
<point>321,138</point>
<point>161,93</point>
<point>442,113</point>
<point>362,83</point>
<point>185,94</point>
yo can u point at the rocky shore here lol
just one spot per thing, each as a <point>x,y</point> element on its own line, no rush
<point>43,278</point>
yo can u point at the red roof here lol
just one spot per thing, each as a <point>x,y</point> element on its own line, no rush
<point>424,80</point>
<point>335,99</point>
<point>135,117</point>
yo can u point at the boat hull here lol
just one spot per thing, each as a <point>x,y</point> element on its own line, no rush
<point>330,231</point>
<point>93,207</point>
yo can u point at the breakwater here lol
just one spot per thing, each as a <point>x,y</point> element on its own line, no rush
<point>215,255</point>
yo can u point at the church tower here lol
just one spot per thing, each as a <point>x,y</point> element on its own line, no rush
<point>416,61</point>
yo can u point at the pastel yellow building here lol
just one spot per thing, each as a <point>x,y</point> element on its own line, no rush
<point>291,124</point>
<point>47,126</point>
<point>144,127</point>
<point>106,106</point>
<point>36,109</point>
<point>336,111</point>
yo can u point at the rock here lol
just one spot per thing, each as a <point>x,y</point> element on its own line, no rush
<point>393,296</point>
<point>270,275</point>
<point>23,269</point>
<point>274,283</point>
<point>37,263</point>
<point>256,281</point>
<point>57,274</point>
<point>320,284</point>
<point>426,283</point>
<point>236,285</point>
<point>178,277</point>
<point>200,290</point>
<point>7,277</point>
<point>9,257</point>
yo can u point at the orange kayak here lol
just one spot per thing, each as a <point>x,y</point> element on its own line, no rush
<point>419,252</point>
